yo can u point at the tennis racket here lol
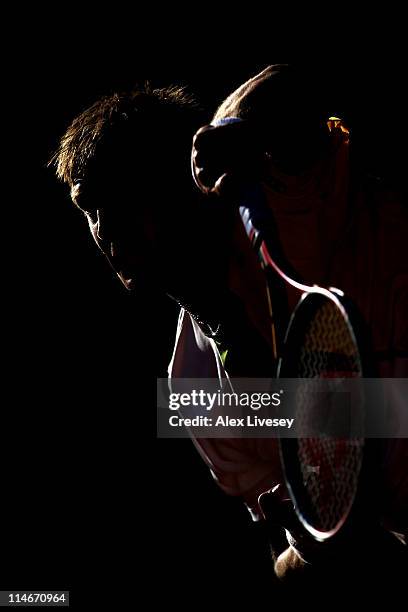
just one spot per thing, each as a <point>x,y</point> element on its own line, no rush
<point>320,342</point>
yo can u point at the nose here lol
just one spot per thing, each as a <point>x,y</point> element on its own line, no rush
<point>100,229</point>
<point>102,232</point>
<point>110,242</point>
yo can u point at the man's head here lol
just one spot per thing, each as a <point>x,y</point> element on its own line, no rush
<point>283,112</point>
<point>126,160</point>
<point>288,107</point>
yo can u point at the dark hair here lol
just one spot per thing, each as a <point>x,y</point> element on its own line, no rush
<point>120,131</point>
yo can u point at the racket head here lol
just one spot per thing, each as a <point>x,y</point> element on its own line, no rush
<point>322,473</point>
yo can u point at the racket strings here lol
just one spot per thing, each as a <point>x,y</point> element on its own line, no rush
<point>330,472</point>
<point>330,467</point>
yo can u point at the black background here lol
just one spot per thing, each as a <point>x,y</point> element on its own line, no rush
<point>90,498</point>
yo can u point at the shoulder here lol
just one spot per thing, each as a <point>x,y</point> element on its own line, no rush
<point>194,355</point>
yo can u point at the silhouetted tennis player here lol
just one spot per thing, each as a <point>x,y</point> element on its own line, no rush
<point>335,226</point>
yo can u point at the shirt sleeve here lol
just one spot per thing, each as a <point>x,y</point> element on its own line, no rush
<point>241,467</point>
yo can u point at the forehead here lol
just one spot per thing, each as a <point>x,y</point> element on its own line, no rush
<point>101,190</point>
<point>128,207</point>
<point>147,185</point>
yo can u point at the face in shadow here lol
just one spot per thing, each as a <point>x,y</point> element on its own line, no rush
<point>158,232</point>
